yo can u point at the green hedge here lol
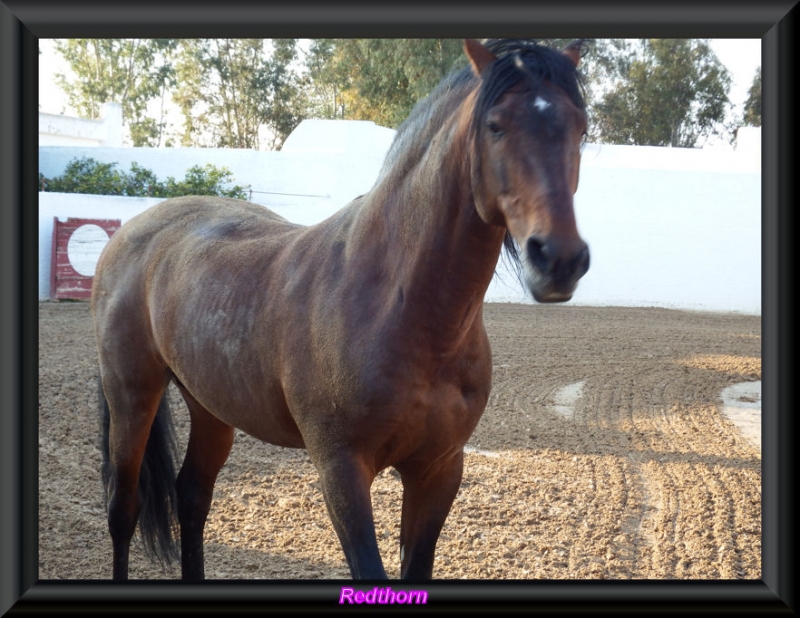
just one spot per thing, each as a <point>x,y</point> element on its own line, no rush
<point>87,175</point>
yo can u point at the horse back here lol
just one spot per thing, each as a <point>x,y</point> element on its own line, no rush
<point>182,289</point>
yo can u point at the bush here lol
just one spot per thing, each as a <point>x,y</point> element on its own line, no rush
<point>207,180</point>
<point>87,175</point>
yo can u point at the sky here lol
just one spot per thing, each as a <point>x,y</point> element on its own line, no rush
<point>740,56</point>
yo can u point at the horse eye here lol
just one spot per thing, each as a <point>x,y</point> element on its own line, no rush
<point>494,129</point>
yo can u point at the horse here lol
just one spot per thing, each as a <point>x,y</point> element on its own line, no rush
<point>359,338</point>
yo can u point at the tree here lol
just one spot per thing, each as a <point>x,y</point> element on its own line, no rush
<point>752,106</point>
<point>286,104</point>
<point>671,92</point>
<point>323,84</point>
<point>379,79</point>
<point>238,93</point>
<point>131,72</point>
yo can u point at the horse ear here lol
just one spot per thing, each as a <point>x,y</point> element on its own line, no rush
<point>573,51</point>
<point>479,56</point>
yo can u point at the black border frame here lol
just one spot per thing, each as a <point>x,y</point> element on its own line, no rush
<point>23,22</point>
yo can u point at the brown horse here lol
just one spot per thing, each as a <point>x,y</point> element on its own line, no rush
<point>360,338</point>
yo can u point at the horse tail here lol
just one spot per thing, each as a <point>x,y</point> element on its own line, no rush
<point>157,496</point>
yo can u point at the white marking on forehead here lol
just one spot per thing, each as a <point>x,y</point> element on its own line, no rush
<point>541,104</point>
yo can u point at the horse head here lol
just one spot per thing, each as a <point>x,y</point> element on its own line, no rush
<point>528,124</point>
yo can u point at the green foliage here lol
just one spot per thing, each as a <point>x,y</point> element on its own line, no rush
<point>669,92</point>
<point>378,79</point>
<point>86,175</point>
<point>251,93</point>
<point>286,104</point>
<point>205,180</point>
<point>238,93</point>
<point>752,106</point>
<point>323,84</point>
<point>131,72</point>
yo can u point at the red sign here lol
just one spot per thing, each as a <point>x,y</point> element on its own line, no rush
<point>77,244</point>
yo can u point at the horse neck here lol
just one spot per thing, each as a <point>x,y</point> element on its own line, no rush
<point>443,253</point>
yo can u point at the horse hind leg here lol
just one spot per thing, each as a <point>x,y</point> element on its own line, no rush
<point>210,442</point>
<point>138,451</point>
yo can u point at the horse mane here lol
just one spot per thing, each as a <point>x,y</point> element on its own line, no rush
<point>415,132</point>
<point>517,60</point>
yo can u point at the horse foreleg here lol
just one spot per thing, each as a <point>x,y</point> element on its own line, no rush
<point>210,442</point>
<point>428,495</point>
<point>346,487</point>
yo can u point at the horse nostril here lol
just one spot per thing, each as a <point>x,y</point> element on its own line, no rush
<point>539,254</point>
<point>549,258</point>
<point>582,262</point>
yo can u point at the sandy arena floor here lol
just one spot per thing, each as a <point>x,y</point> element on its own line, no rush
<point>603,454</point>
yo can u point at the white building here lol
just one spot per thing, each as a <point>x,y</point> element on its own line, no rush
<point>60,130</point>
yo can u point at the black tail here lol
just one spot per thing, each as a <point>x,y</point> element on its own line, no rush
<point>157,516</point>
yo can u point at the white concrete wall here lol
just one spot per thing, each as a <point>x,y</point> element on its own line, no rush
<point>60,130</point>
<point>315,175</point>
<point>667,227</point>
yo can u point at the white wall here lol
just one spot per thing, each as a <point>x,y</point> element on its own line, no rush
<point>303,175</point>
<point>60,130</point>
<point>666,227</point>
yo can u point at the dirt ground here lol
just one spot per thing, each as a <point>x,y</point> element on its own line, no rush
<point>642,478</point>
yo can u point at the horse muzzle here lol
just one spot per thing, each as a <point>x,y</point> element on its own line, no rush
<point>553,267</point>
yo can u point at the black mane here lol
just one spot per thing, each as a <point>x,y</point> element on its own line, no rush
<point>518,59</point>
